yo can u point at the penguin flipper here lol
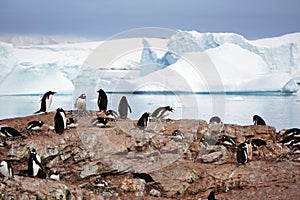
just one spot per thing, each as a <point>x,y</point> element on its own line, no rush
<point>129,109</point>
<point>37,112</point>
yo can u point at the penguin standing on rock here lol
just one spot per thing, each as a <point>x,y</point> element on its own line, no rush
<point>162,112</point>
<point>242,155</point>
<point>257,120</point>
<point>143,122</point>
<point>80,103</point>
<point>102,100</point>
<point>6,169</point>
<point>46,102</point>
<point>60,121</point>
<point>35,167</point>
<point>124,108</point>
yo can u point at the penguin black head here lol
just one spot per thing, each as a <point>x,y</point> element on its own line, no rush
<point>33,151</point>
<point>82,96</point>
<point>228,140</point>
<point>111,114</point>
<point>50,92</point>
<point>169,108</point>
<point>176,132</point>
<point>215,119</point>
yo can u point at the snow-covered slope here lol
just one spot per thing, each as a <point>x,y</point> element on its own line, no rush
<point>188,61</point>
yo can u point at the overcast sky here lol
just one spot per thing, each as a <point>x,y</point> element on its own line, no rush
<point>104,18</point>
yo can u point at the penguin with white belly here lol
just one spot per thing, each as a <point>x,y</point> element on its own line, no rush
<point>46,102</point>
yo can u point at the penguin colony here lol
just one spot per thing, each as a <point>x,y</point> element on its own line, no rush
<point>243,151</point>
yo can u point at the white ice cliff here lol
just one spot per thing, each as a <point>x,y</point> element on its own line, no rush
<point>188,61</point>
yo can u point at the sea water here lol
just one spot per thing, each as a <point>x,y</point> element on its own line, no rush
<point>278,110</point>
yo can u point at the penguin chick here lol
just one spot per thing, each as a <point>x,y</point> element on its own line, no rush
<point>80,103</point>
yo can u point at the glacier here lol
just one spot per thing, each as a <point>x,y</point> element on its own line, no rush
<point>187,61</point>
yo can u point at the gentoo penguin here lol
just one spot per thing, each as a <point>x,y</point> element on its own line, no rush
<point>215,119</point>
<point>10,132</point>
<point>102,100</point>
<point>178,135</point>
<point>3,143</point>
<point>60,121</point>
<point>111,114</point>
<point>143,122</point>
<point>257,120</point>
<point>144,176</point>
<point>290,139</point>
<point>35,167</point>
<point>80,103</point>
<point>290,132</point>
<point>211,196</point>
<point>124,108</point>
<point>162,112</point>
<point>100,122</point>
<point>71,122</point>
<point>227,141</point>
<point>258,143</point>
<point>6,169</point>
<point>46,102</point>
<point>100,182</point>
<point>241,154</point>
<point>54,175</point>
<point>34,125</point>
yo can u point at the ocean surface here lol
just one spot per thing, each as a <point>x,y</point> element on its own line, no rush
<point>278,110</point>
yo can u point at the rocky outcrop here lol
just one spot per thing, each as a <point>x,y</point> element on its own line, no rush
<point>98,163</point>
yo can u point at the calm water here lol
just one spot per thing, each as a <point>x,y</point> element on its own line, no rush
<point>281,111</point>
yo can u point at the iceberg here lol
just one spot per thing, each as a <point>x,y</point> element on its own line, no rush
<point>187,62</point>
<point>214,63</point>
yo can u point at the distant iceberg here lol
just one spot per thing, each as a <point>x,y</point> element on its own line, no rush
<point>213,63</point>
<point>187,62</point>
